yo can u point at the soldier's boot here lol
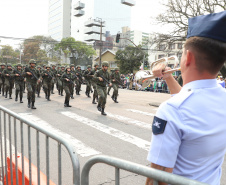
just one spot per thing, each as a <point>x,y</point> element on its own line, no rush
<point>65,103</point>
<point>48,98</point>
<point>88,95</point>
<point>93,102</point>
<point>72,97</point>
<point>0,90</point>
<point>29,103</point>
<point>116,100</point>
<point>33,105</point>
<point>99,107</point>
<point>21,101</point>
<point>68,104</point>
<point>6,94</point>
<point>10,96</point>
<point>39,95</point>
<point>59,91</point>
<point>16,98</point>
<point>52,92</point>
<point>103,113</point>
<point>78,92</point>
<point>113,97</point>
<point>91,90</point>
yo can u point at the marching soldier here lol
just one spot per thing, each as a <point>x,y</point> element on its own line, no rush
<point>32,76</point>
<point>39,83</point>
<point>78,73</point>
<point>102,77</point>
<point>95,95</point>
<point>54,72</point>
<point>88,78</point>
<point>9,81</point>
<point>47,76</point>
<point>72,85</point>
<point>2,79</point>
<point>116,80</point>
<point>60,81</point>
<point>67,79</point>
<point>19,81</point>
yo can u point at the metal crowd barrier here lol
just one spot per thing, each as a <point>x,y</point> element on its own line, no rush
<point>12,129</point>
<point>156,175</point>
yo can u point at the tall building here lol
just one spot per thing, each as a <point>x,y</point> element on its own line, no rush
<point>59,24</point>
<point>113,13</point>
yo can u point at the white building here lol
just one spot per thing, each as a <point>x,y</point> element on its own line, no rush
<point>59,24</point>
<point>113,13</point>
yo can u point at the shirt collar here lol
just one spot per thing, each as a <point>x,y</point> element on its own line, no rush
<point>200,84</point>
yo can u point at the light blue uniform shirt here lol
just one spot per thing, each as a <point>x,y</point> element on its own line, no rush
<point>193,142</point>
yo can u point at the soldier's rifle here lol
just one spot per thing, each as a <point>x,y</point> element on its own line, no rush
<point>17,72</point>
<point>33,75</point>
<point>105,79</point>
<point>120,83</point>
<point>78,77</point>
<point>69,78</point>
<point>49,75</point>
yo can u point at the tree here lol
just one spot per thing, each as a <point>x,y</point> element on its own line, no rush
<point>130,59</point>
<point>78,50</point>
<point>177,14</point>
<point>8,54</point>
<point>33,45</point>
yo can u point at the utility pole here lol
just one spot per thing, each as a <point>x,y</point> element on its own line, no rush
<point>101,25</point>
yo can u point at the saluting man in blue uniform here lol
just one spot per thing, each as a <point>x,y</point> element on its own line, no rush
<point>189,129</point>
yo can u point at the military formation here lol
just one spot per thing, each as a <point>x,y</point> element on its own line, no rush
<point>65,78</point>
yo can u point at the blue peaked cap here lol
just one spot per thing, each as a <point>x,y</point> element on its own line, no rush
<point>211,26</point>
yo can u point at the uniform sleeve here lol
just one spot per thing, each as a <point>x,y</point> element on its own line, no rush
<point>165,144</point>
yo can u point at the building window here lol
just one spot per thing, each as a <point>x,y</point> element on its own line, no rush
<point>179,46</point>
<point>171,54</point>
<point>113,65</point>
<point>162,47</point>
<point>171,46</point>
<point>161,56</point>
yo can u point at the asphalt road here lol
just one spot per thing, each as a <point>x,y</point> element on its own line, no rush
<point>124,133</point>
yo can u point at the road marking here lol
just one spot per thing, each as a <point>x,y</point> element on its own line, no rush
<point>129,120</point>
<point>79,147</point>
<point>111,131</point>
<point>141,112</point>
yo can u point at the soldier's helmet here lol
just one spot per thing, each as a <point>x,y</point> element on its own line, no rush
<point>78,66</point>
<point>19,65</point>
<point>2,64</point>
<point>39,67</point>
<point>68,67</point>
<point>32,61</point>
<point>62,66</point>
<point>105,63</point>
<point>72,65</point>
<point>89,66</point>
<point>47,66</point>
<point>53,65</point>
<point>9,65</point>
<point>116,69</point>
<point>96,65</point>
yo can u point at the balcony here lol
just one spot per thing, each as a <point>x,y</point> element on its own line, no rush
<point>128,2</point>
<point>94,37</point>
<point>93,29</point>
<point>79,6</point>
<point>78,13</point>
<point>92,22</point>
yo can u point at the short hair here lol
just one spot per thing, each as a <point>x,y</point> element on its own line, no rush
<point>210,54</point>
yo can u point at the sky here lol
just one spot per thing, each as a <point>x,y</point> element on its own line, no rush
<point>26,18</point>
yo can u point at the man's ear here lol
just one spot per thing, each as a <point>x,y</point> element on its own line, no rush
<point>190,58</point>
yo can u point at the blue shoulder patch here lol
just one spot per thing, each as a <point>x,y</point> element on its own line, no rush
<point>158,125</point>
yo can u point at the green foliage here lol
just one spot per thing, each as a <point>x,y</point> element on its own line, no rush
<point>76,48</point>
<point>9,55</point>
<point>130,59</point>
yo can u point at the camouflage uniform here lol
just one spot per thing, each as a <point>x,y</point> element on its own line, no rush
<point>60,81</point>
<point>9,80</point>
<point>72,85</point>
<point>47,76</point>
<point>19,82</point>
<point>2,79</point>
<point>78,81</point>
<point>66,86</point>
<point>115,80</point>
<point>101,87</point>
<point>31,83</point>
<point>39,83</point>
<point>94,84</point>
<point>88,79</point>
<point>54,72</point>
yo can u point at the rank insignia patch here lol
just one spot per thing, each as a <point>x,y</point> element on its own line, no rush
<point>158,125</point>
